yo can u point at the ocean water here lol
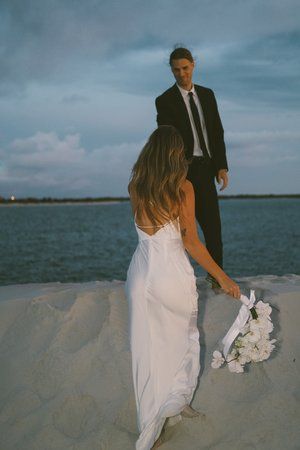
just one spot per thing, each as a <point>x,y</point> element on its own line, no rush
<point>85,242</point>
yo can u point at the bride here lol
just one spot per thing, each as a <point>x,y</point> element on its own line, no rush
<point>161,286</point>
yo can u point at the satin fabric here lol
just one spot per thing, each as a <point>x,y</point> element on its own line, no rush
<point>239,323</point>
<point>164,338</point>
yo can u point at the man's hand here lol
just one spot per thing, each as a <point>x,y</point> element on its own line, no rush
<point>222,176</point>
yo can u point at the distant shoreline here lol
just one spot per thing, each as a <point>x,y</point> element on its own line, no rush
<point>12,204</point>
<point>30,201</point>
<point>246,196</point>
<point>62,201</point>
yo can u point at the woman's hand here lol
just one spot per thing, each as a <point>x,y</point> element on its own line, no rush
<point>230,287</point>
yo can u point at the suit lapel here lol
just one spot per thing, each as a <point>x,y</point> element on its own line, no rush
<point>180,106</point>
<point>182,119</point>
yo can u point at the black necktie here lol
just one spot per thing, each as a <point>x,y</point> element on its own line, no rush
<point>196,118</point>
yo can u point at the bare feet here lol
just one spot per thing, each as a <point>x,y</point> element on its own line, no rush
<point>189,412</point>
<point>173,420</point>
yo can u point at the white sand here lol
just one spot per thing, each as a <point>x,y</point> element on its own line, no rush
<point>65,380</point>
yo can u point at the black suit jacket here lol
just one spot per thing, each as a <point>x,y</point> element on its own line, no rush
<point>171,110</point>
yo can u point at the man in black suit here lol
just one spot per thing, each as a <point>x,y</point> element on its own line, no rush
<point>192,109</point>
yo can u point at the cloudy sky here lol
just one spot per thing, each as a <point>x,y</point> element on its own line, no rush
<point>78,81</point>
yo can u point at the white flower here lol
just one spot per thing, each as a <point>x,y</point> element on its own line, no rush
<point>263,309</point>
<point>265,348</point>
<point>269,327</point>
<point>243,359</point>
<point>264,354</point>
<point>254,325</point>
<point>264,334</point>
<point>244,340</point>
<point>253,335</point>
<point>255,355</point>
<point>217,359</point>
<point>245,352</point>
<point>253,344</point>
<point>261,322</point>
<point>235,366</point>
<point>232,355</point>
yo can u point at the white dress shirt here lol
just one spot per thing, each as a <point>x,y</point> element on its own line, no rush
<point>185,95</point>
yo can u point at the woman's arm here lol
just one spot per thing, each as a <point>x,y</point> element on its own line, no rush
<point>195,247</point>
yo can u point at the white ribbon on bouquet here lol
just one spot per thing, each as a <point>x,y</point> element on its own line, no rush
<point>239,322</point>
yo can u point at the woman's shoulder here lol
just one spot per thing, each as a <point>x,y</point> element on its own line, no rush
<point>187,187</point>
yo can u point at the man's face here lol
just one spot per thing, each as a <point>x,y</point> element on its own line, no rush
<point>183,72</point>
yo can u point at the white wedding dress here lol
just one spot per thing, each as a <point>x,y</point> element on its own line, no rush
<point>164,338</point>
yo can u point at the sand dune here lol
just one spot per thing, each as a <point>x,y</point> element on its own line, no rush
<point>65,380</point>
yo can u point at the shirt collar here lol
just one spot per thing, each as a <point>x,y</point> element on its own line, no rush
<point>184,92</point>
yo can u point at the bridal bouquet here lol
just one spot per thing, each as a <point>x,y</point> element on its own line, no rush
<point>254,326</point>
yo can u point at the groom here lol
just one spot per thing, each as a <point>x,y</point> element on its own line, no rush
<point>192,109</point>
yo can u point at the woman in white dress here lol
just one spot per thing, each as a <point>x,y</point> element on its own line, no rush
<point>161,286</point>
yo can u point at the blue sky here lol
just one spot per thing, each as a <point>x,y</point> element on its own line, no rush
<point>78,82</point>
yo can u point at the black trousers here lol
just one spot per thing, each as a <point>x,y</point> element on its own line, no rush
<point>201,175</point>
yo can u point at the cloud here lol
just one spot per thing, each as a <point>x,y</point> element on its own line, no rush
<point>264,148</point>
<point>87,73</point>
<point>62,41</point>
<point>74,98</point>
<point>263,162</point>
<point>45,164</point>
<point>262,70</point>
<point>247,51</point>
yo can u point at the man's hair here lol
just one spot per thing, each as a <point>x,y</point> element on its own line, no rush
<point>181,53</point>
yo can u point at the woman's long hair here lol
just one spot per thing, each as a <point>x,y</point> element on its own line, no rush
<point>158,174</point>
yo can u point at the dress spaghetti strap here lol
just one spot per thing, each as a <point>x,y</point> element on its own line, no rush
<point>152,226</point>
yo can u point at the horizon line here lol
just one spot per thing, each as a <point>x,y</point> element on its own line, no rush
<point>44,199</point>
